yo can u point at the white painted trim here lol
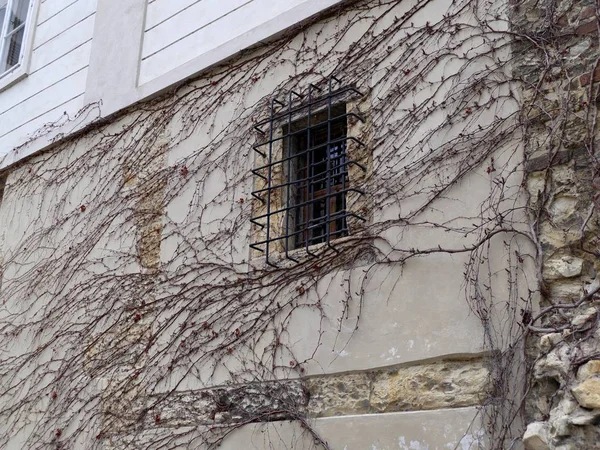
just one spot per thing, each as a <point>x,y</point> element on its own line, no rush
<point>114,67</point>
<point>21,70</point>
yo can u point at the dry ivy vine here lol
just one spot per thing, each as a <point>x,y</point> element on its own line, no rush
<point>112,299</point>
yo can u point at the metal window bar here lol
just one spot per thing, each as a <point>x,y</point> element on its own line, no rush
<point>312,165</point>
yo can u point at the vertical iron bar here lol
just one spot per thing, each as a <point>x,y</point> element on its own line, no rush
<point>289,177</point>
<point>343,173</point>
<point>328,170</point>
<point>309,173</point>
<point>269,174</point>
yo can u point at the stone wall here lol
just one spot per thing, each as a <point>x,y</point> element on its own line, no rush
<point>560,99</point>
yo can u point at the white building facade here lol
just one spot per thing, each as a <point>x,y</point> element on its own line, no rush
<point>259,224</point>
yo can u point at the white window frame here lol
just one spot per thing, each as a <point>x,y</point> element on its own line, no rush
<point>21,69</point>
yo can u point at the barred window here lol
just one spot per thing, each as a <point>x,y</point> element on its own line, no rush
<point>302,181</point>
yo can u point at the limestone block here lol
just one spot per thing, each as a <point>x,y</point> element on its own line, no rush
<point>548,341</point>
<point>536,436</point>
<point>442,385</point>
<point>563,209</point>
<point>559,417</point>
<point>557,237</point>
<point>561,426</point>
<point>564,267</point>
<point>589,369</point>
<point>583,417</point>
<point>567,290</point>
<point>556,364</point>
<point>587,393</point>
<point>347,394</point>
<point>588,315</point>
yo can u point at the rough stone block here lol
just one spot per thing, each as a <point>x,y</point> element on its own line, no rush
<point>536,436</point>
<point>340,395</point>
<point>584,417</point>
<point>430,387</point>
<point>548,341</point>
<point>587,316</point>
<point>587,393</point>
<point>564,267</point>
<point>563,209</point>
<point>589,369</point>
<point>556,364</point>
<point>566,290</point>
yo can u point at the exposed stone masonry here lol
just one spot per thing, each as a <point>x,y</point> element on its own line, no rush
<point>428,386</point>
<point>563,406</point>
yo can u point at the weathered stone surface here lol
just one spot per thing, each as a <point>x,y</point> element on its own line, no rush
<point>564,267</point>
<point>566,290</point>
<point>584,417</point>
<point>587,316</point>
<point>589,369</point>
<point>232,404</point>
<point>536,436</point>
<point>548,341</point>
<point>339,395</point>
<point>563,209</point>
<point>587,393</point>
<point>559,420</point>
<point>429,386</point>
<point>556,364</point>
<point>559,175</point>
<point>433,386</point>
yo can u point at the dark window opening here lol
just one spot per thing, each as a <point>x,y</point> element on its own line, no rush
<point>319,178</point>
<point>302,176</point>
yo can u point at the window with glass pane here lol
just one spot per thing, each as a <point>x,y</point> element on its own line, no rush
<point>13,18</point>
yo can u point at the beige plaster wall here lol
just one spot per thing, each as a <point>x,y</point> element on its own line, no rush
<point>411,314</point>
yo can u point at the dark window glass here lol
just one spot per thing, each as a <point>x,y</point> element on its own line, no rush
<point>319,177</point>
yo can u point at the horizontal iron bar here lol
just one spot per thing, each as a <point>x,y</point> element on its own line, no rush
<point>313,102</point>
<point>313,179</point>
<point>304,152</point>
<point>302,130</point>
<point>289,235</point>
<point>298,205</point>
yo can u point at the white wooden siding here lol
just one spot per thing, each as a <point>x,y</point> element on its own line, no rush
<point>57,76</point>
<point>179,31</point>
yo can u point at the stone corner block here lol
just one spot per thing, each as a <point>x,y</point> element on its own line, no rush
<point>564,267</point>
<point>536,436</point>
<point>589,369</point>
<point>587,393</point>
